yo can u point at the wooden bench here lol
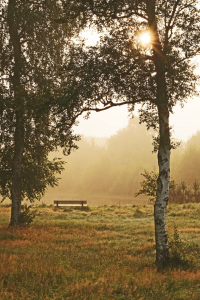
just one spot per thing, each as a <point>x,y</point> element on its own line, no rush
<point>70,203</point>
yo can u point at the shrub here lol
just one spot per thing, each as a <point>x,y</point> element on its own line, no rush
<point>27,216</point>
<point>177,251</point>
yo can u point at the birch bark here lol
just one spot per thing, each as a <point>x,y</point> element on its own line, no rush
<point>162,248</point>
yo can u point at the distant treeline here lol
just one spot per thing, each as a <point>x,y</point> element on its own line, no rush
<point>113,166</point>
<point>184,193</point>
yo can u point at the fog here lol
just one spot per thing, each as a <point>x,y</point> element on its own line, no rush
<point>108,170</point>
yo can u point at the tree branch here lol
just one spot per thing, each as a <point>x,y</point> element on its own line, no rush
<point>173,13</point>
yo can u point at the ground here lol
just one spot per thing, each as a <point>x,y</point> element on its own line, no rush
<point>96,253</point>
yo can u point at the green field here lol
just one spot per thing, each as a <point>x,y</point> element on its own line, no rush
<point>103,252</point>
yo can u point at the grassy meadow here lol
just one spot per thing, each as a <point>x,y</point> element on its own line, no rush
<point>105,252</point>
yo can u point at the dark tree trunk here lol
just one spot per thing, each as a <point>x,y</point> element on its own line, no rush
<point>19,122</point>
<point>17,171</point>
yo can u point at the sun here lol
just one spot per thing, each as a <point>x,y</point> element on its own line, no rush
<point>145,38</point>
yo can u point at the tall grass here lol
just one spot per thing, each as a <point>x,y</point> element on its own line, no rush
<point>100,253</point>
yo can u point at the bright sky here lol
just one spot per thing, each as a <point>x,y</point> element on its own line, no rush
<point>185,121</point>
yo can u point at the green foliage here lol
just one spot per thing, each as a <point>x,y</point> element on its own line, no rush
<point>178,192</point>
<point>119,70</point>
<point>149,185</point>
<point>37,177</point>
<point>31,124</point>
<point>27,216</point>
<point>177,250</point>
<point>38,173</point>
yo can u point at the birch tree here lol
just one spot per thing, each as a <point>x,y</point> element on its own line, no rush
<point>126,68</point>
<point>32,51</point>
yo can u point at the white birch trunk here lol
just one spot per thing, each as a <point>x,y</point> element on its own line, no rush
<point>162,248</point>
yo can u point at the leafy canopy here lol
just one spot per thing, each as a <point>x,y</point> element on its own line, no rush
<point>32,46</point>
<point>119,70</point>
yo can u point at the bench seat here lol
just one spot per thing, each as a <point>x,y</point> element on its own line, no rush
<point>70,203</point>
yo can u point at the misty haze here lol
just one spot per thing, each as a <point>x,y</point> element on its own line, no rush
<point>104,171</point>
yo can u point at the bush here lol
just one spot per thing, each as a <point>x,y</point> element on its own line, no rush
<point>178,192</point>
<point>177,251</point>
<point>27,216</point>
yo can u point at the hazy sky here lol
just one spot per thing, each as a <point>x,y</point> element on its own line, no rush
<point>185,121</point>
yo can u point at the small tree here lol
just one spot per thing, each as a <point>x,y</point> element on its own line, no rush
<point>183,186</point>
<point>149,185</point>
<point>196,187</point>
